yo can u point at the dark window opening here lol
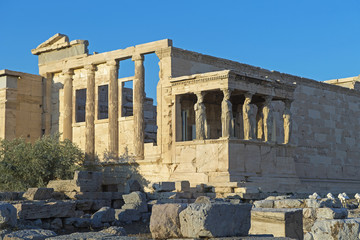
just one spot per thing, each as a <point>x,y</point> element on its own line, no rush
<point>103,102</point>
<point>127,99</point>
<point>80,105</point>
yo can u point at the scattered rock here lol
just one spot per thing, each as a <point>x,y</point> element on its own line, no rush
<point>135,200</point>
<point>335,229</point>
<point>117,231</point>
<point>289,203</point>
<point>264,204</point>
<point>202,199</point>
<point>38,193</point>
<point>164,186</point>
<point>104,215</point>
<point>127,215</point>
<point>331,213</point>
<point>7,215</point>
<point>165,222</point>
<point>27,234</point>
<point>215,220</point>
<point>56,224</point>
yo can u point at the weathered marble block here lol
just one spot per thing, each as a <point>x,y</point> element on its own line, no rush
<point>215,220</point>
<point>280,222</point>
<point>38,193</point>
<point>36,210</point>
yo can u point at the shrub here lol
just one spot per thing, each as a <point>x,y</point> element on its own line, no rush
<point>24,165</point>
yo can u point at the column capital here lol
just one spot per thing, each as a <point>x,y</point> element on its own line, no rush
<point>112,63</point>
<point>90,67</point>
<point>268,99</point>
<point>68,72</point>
<point>137,57</point>
<point>249,94</point>
<point>288,102</point>
<point>226,92</point>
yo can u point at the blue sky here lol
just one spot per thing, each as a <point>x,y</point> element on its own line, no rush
<point>314,39</point>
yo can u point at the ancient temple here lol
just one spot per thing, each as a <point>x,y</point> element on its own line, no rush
<point>216,121</point>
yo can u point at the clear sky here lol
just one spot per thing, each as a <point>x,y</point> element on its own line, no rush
<point>310,38</point>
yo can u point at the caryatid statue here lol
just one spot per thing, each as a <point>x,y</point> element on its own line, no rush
<point>227,115</point>
<point>267,118</point>
<point>287,121</point>
<point>200,117</point>
<point>248,116</point>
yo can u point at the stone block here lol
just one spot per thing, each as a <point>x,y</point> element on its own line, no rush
<point>36,210</point>
<point>63,186</point>
<point>278,222</point>
<point>104,215</point>
<point>127,215</point>
<point>97,204</point>
<point>135,200</point>
<point>164,186</point>
<point>331,213</point>
<point>84,205</point>
<point>264,204</point>
<point>215,220</point>
<point>38,193</point>
<point>335,229</point>
<point>288,203</point>
<point>132,186</point>
<point>78,222</point>
<point>319,203</point>
<point>165,222</point>
<point>7,215</point>
<point>182,186</point>
<point>38,234</point>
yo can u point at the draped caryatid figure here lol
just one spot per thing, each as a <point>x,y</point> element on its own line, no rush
<point>227,115</point>
<point>267,118</point>
<point>249,117</point>
<point>200,117</point>
<point>287,121</point>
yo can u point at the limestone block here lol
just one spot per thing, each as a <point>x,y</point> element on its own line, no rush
<point>90,195</point>
<point>331,213</point>
<point>78,222</point>
<point>104,215</point>
<point>316,203</point>
<point>38,234</point>
<point>264,204</point>
<point>135,200</point>
<point>127,215</point>
<point>164,186</point>
<point>97,204</point>
<point>278,222</point>
<point>165,222</point>
<point>35,210</point>
<point>84,205</point>
<point>215,220</point>
<point>63,185</point>
<point>246,190</point>
<point>132,186</point>
<point>336,229</point>
<point>114,230</point>
<point>7,215</point>
<point>288,203</point>
<point>56,224</point>
<point>38,193</point>
<point>182,186</point>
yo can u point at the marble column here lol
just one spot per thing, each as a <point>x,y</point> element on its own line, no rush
<point>287,121</point>
<point>200,117</point>
<point>67,111</point>
<point>113,107</point>
<point>138,105</point>
<point>227,115</point>
<point>267,118</point>
<point>90,113</point>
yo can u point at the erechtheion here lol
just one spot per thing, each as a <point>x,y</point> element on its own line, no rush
<point>216,121</point>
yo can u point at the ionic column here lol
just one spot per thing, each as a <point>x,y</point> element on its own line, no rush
<point>113,107</point>
<point>200,117</point>
<point>267,118</point>
<point>287,121</point>
<point>67,112</point>
<point>138,105</point>
<point>90,113</point>
<point>226,115</point>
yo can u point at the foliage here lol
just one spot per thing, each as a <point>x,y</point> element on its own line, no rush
<point>24,164</point>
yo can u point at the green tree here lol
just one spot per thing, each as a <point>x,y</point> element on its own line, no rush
<point>24,165</point>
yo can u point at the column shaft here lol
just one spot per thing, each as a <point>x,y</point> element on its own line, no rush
<point>138,104</point>
<point>90,113</point>
<point>113,107</point>
<point>67,113</point>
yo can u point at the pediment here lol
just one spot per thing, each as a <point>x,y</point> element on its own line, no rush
<point>54,40</point>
